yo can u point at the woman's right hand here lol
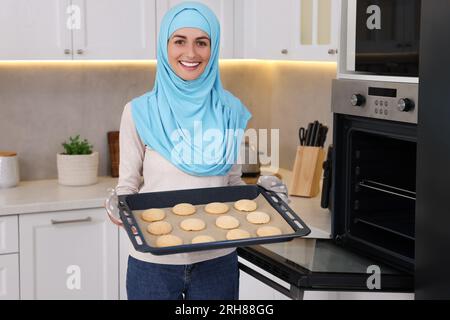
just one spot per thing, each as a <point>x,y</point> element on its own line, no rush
<point>111,206</point>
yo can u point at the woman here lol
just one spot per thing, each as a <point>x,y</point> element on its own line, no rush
<point>158,141</point>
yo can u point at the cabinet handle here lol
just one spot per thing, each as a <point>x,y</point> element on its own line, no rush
<point>80,51</point>
<point>67,51</point>
<point>332,51</point>
<point>284,51</point>
<point>88,219</point>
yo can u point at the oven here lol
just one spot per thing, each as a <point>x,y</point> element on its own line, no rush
<point>374,169</point>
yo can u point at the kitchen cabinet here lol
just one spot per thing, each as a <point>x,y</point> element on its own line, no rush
<point>9,234</point>
<point>34,30</point>
<point>251,288</point>
<point>223,9</point>
<point>68,255</point>
<point>124,243</point>
<point>9,277</point>
<point>287,29</point>
<point>115,29</point>
<point>77,29</point>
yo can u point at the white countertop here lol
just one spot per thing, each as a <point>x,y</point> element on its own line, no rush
<point>48,195</point>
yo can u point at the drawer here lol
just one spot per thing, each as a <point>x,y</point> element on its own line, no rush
<point>9,277</point>
<point>9,234</point>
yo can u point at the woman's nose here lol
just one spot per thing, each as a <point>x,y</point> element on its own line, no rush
<point>191,51</point>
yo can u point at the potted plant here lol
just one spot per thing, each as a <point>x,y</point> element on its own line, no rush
<point>78,166</point>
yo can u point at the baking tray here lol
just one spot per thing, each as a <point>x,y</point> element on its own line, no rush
<point>282,216</point>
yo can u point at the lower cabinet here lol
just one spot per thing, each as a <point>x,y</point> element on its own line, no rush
<point>69,255</point>
<point>9,277</point>
<point>124,244</point>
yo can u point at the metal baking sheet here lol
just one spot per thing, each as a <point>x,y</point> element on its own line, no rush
<point>282,216</point>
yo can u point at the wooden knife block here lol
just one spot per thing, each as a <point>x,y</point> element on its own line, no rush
<point>307,171</point>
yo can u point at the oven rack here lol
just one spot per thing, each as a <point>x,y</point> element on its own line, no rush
<point>370,184</point>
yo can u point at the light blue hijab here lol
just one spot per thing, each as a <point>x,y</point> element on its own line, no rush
<point>171,118</point>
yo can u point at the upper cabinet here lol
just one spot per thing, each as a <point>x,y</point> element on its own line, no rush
<point>287,29</point>
<point>114,29</point>
<point>34,30</point>
<point>77,29</point>
<point>224,10</point>
<point>119,29</point>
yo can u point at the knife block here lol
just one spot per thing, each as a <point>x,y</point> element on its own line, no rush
<point>307,171</point>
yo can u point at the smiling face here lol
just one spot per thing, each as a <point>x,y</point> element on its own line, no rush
<point>189,51</point>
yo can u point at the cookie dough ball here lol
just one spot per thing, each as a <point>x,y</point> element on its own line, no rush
<point>227,222</point>
<point>152,215</point>
<point>236,234</point>
<point>184,209</point>
<point>168,240</point>
<point>267,231</point>
<point>192,224</point>
<point>203,239</point>
<point>216,208</point>
<point>159,228</point>
<point>258,217</point>
<point>245,205</point>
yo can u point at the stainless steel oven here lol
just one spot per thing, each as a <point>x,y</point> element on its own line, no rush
<point>374,168</point>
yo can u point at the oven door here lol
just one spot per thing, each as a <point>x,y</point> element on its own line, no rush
<point>374,184</point>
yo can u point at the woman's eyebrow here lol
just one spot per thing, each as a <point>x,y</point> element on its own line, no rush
<point>184,37</point>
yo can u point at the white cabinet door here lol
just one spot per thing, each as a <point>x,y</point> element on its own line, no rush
<point>287,29</point>
<point>9,277</point>
<point>69,255</point>
<point>316,29</point>
<point>115,29</point>
<point>223,9</point>
<point>32,30</point>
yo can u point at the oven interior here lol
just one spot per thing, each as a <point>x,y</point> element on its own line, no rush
<point>383,191</point>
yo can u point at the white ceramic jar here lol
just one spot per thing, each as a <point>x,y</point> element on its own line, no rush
<point>9,169</point>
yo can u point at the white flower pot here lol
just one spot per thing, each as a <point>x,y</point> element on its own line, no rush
<point>77,170</point>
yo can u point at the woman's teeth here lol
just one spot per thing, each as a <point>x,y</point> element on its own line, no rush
<point>190,64</point>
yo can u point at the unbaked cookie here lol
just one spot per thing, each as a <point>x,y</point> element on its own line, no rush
<point>168,240</point>
<point>159,227</point>
<point>268,231</point>
<point>227,222</point>
<point>151,215</point>
<point>192,224</point>
<point>245,205</point>
<point>203,239</point>
<point>258,217</point>
<point>216,208</point>
<point>236,234</point>
<point>184,209</point>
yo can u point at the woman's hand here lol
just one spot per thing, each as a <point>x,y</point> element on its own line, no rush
<point>111,208</point>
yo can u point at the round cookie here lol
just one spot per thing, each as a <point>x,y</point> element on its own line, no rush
<point>216,208</point>
<point>168,240</point>
<point>236,234</point>
<point>258,217</point>
<point>245,205</point>
<point>192,224</point>
<point>227,222</point>
<point>203,239</point>
<point>152,215</point>
<point>184,209</point>
<point>159,228</point>
<point>268,231</point>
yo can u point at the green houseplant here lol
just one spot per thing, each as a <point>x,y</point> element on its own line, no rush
<point>78,165</point>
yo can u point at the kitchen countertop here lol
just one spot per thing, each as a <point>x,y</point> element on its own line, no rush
<point>47,196</point>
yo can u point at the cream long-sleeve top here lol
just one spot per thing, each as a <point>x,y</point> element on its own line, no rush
<point>142,169</point>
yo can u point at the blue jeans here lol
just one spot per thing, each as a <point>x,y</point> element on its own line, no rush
<point>215,279</point>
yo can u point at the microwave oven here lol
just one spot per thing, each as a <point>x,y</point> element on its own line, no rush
<point>383,37</point>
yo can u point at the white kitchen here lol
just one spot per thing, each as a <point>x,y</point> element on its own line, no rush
<point>342,124</point>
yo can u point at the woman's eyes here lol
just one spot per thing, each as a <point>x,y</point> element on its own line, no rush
<point>199,43</point>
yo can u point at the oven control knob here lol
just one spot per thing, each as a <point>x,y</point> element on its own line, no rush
<point>358,100</point>
<point>405,104</point>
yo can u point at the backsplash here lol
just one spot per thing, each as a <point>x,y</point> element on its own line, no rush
<point>43,103</point>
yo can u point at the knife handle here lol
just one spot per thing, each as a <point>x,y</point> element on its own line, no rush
<point>308,134</point>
